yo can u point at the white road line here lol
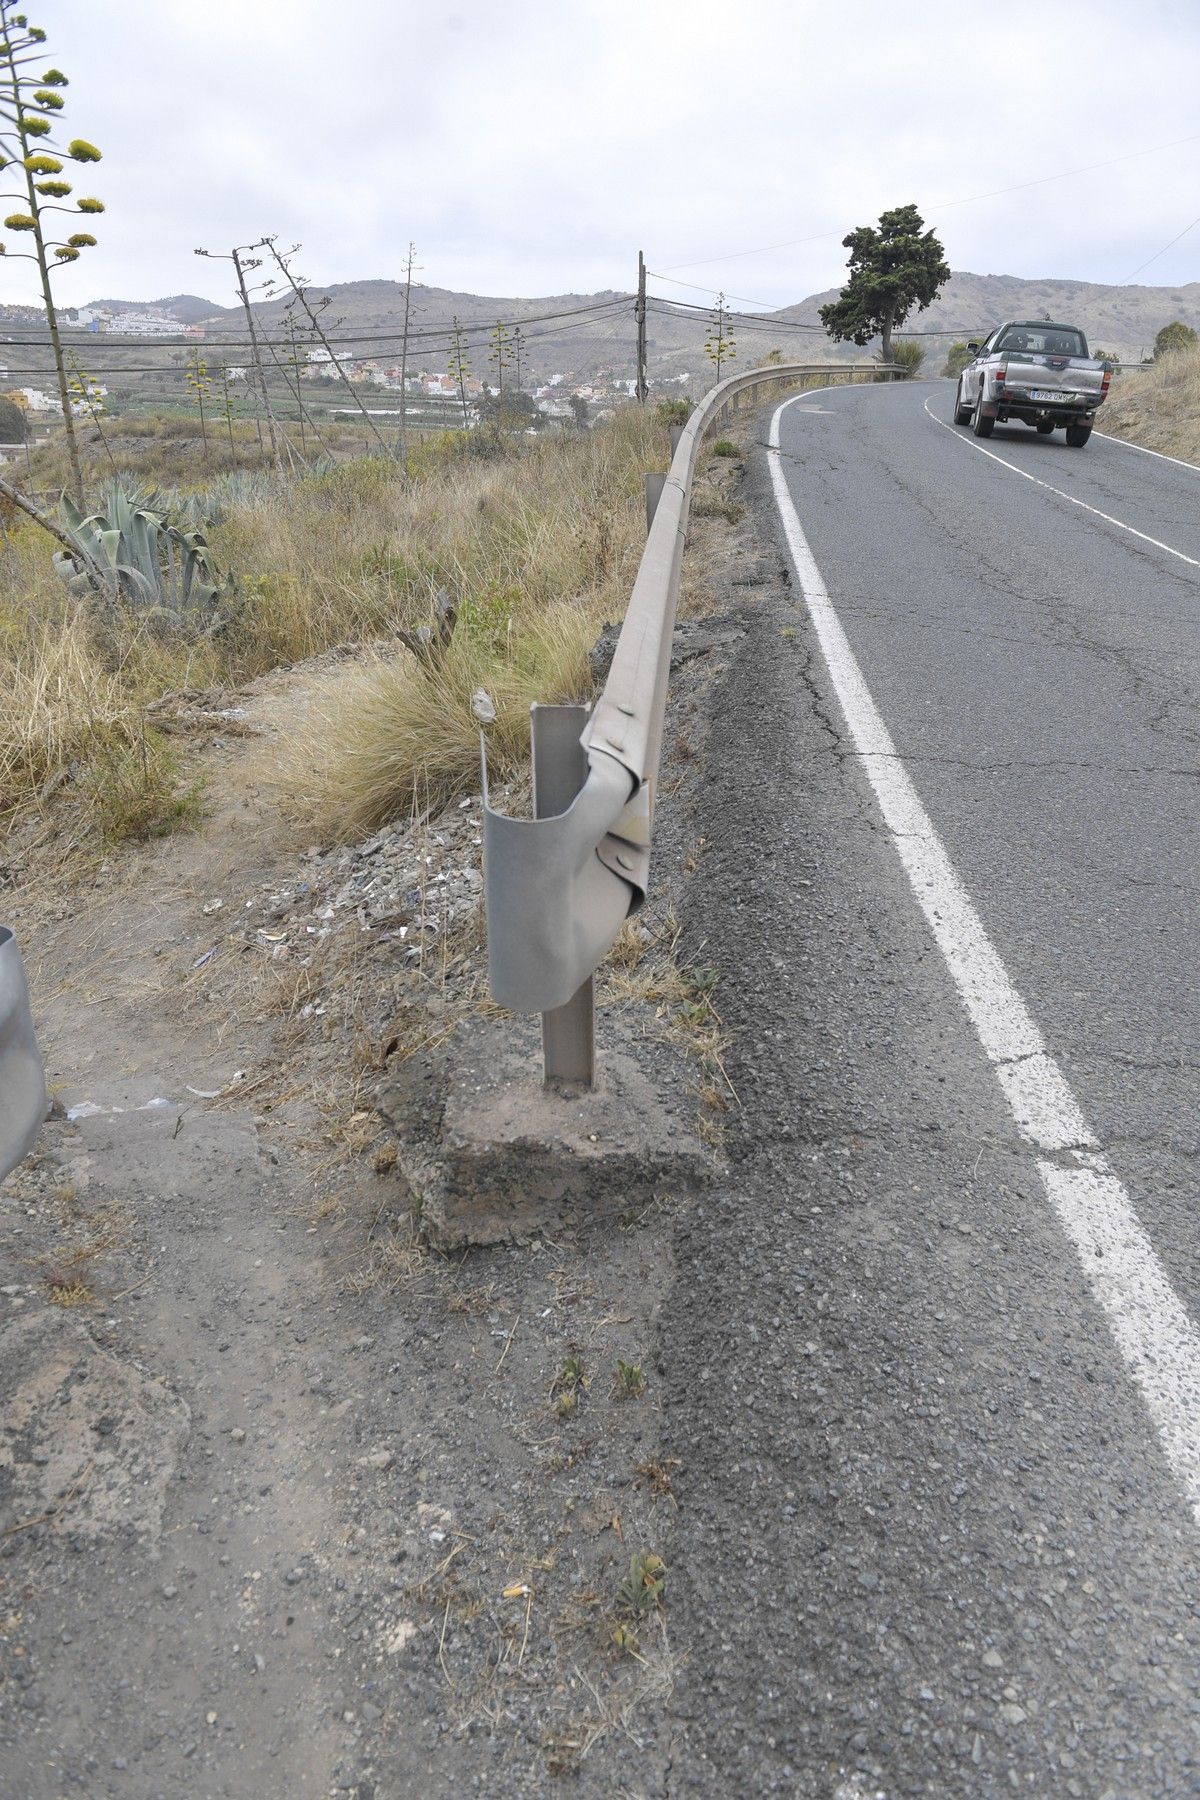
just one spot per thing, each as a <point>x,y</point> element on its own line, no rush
<point>1161,454</point>
<point>1157,1339</point>
<point>972,444</point>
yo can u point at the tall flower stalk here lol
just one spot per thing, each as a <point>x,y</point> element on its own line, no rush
<point>30,108</point>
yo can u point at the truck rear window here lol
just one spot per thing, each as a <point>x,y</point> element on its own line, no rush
<point>1053,341</point>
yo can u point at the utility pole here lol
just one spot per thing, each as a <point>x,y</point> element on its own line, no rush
<point>643,386</point>
<point>235,257</point>
<point>408,275</point>
<point>301,292</point>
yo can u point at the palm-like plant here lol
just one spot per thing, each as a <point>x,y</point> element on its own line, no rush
<point>30,107</point>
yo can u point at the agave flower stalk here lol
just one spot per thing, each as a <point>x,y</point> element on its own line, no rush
<point>31,108</point>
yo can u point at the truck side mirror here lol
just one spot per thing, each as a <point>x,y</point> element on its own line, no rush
<point>973,348</point>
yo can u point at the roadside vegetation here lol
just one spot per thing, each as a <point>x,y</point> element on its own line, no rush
<point>532,545</point>
<point>1158,406</point>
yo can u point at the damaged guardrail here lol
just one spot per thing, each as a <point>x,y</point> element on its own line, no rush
<point>22,1081</point>
<point>558,887</point>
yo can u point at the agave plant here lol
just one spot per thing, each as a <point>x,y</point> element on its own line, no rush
<point>130,552</point>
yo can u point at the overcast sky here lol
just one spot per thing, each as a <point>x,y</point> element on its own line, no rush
<point>533,147</point>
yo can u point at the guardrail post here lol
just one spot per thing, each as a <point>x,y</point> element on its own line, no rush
<point>560,769</point>
<point>655,483</point>
<point>675,432</point>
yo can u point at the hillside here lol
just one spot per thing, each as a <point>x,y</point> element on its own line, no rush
<point>1122,319</point>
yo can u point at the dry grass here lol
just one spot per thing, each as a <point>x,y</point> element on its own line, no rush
<point>536,552</point>
<point>535,543</point>
<point>1158,406</point>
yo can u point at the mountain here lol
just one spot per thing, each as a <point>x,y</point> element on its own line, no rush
<point>1121,319</point>
<point>189,309</point>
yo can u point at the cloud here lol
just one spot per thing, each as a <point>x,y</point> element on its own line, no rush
<point>534,148</point>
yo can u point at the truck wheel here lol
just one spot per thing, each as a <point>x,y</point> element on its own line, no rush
<point>981,425</point>
<point>1078,435</point>
<point>961,413</point>
<point>1045,427</point>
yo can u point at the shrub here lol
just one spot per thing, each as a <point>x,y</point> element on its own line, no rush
<point>957,358</point>
<point>672,412</point>
<point>1173,337</point>
<point>908,356</point>
<point>723,447</point>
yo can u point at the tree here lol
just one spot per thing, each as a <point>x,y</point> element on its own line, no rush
<point>719,346</point>
<point>32,158</point>
<point>579,409</point>
<point>1175,336</point>
<point>512,411</point>
<point>892,269</point>
<point>957,358</point>
<point>12,421</point>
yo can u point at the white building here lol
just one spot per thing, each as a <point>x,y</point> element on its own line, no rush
<point>37,401</point>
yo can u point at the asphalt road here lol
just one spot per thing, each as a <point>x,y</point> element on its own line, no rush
<point>937,1434</point>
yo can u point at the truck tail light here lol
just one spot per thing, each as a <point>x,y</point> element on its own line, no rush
<point>1104,383</point>
<point>1001,376</point>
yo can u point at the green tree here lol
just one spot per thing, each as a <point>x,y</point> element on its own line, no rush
<point>579,409</point>
<point>1175,336</point>
<point>30,106</point>
<point>957,358</point>
<point>892,269</point>
<point>513,411</point>
<point>12,421</point>
<point>719,345</point>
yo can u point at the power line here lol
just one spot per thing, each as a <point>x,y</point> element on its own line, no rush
<point>779,327</point>
<point>598,309</point>
<point>430,350</point>
<point>944,205</point>
<point>1165,248</point>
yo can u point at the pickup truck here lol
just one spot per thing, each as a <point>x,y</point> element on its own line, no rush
<point>22,1085</point>
<point>1033,371</point>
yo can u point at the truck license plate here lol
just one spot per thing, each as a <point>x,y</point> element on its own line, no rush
<point>1046,394</point>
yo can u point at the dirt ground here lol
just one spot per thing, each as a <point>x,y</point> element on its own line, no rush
<point>290,1504</point>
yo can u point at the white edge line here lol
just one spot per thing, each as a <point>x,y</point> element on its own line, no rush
<point>1162,456</point>
<point>971,444</point>
<point>1152,1330</point>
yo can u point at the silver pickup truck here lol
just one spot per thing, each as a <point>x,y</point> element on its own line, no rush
<point>1033,371</point>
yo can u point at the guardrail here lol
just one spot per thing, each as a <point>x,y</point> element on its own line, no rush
<point>22,1082</point>
<point>558,887</point>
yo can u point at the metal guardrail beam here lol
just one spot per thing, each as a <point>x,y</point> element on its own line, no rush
<point>22,1082</point>
<point>558,887</point>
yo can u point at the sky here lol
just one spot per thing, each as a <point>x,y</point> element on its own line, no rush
<point>532,148</point>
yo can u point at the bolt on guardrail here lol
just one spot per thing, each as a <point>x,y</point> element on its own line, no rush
<point>559,886</point>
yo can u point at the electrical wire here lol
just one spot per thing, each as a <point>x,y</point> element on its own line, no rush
<point>597,309</point>
<point>757,321</point>
<point>945,205</point>
<point>429,350</point>
<point>1163,251</point>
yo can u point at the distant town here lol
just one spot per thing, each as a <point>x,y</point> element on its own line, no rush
<point>565,395</point>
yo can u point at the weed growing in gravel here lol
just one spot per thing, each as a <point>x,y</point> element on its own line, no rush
<point>629,1379</point>
<point>641,1592</point>
<point>568,1386</point>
